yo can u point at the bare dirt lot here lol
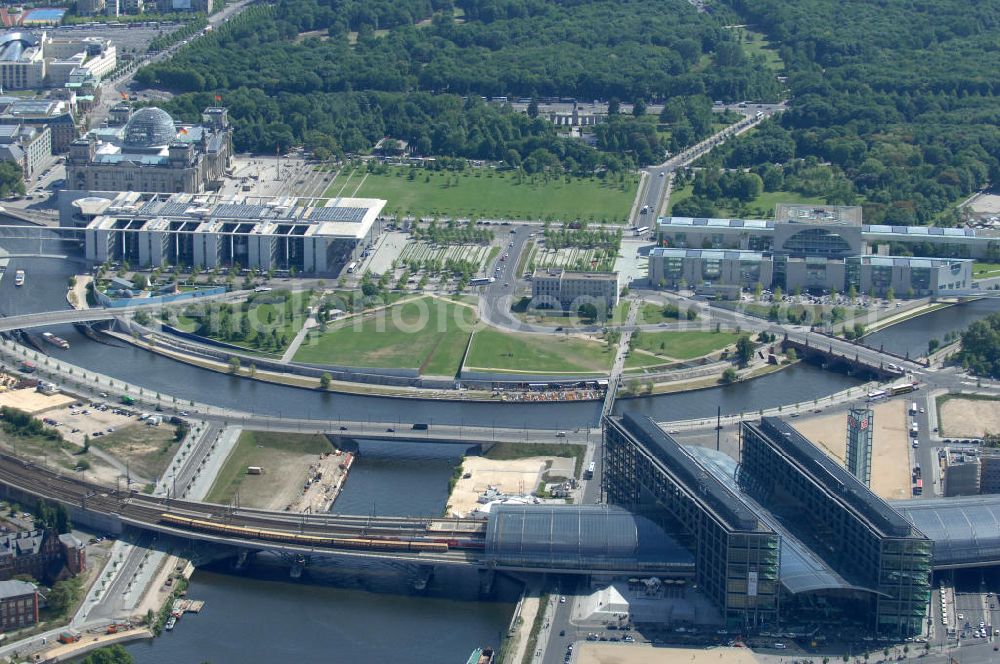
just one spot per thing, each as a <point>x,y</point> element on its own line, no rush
<point>286,461</point>
<point>890,445</point>
<point>513,477</point>
<point>969,418</point>
<point>639,653</point>
<point>33,402</point>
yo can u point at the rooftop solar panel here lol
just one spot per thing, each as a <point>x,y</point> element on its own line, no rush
<point>237,211</point>
<point>355,214</point>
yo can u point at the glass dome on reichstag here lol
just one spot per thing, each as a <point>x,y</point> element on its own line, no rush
<point>149,127</point>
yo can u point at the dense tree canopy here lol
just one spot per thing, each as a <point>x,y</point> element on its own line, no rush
<point>340,74</point>
<point>980,351</point>
<point>899,98</point>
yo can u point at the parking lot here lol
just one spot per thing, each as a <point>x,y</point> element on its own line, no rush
<point>89,419</point>
<point>128,39</point>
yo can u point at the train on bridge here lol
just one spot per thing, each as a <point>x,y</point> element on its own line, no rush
<point>413,544</point>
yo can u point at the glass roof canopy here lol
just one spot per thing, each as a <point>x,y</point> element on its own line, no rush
<point>799,570</point>
<point>595,537</point>
<point>965,530</point>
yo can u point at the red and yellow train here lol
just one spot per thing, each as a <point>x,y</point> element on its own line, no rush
<point>415,544</point>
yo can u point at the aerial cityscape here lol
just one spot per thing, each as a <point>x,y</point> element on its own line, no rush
<point>500,331</point>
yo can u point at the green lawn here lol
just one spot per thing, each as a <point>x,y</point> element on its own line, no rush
<point>427,334</point>
<point>761,207</point>
<point>982,270</point>
<point>756,43</point>
<point>555,354</point>
<point>637,360</point>
<point>652,314</point>
<point>267,450</point>
<point>684,345</point>
<point>492,194</point>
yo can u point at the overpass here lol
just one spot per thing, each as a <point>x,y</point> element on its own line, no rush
<point>67,316</point>
<point>523,538</point>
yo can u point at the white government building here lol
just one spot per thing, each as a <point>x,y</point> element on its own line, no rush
<point>312,235</point>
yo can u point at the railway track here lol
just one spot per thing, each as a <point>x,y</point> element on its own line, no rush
<point>145,509</point>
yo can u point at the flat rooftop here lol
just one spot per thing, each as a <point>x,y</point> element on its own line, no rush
<point>825,471</point>
<point>347,218</point>
<point>702,485</point>
<point>559,273</point>
<point>826,215</point>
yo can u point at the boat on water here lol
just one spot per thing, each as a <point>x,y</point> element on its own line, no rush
<point>171,621</point>
<point>19,278</point>
<point>54,340</point>
<point>481,656</point>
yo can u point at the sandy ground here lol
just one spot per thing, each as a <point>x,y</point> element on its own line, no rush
<point>588,652</point>
<point>319,496</point>
<point>890,445</point>
<point>281,487</point>
<point>63,653</point>
<point>513,477</point>
<point>986,204</point>
<point>33,402</point>
<point>969,418</point>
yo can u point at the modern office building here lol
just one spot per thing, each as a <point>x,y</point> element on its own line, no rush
<point>856,533</point>
<point>311,236</point>
<point>151,152</point>
<point>785,537</point>
<point>736,553</point>
<point>812,247</point>
<point>556,288</point>
<point>30,62</point>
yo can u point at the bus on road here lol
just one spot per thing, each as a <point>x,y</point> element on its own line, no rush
<point>589,473</point>
<point>482,281</point>
<point>352,267</point>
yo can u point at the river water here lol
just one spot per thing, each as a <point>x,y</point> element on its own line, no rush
<point>911,336</point>
<point>334,613</point>
<point>345,612</point>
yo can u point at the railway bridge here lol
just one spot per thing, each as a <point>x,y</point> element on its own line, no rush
<point>581,540</point>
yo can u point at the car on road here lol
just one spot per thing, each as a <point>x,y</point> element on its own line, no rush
<point>391,430</point>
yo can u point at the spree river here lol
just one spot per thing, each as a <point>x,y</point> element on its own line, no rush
<point>339,613</point>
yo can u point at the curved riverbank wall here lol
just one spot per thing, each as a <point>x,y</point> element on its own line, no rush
<point>189,343</point>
